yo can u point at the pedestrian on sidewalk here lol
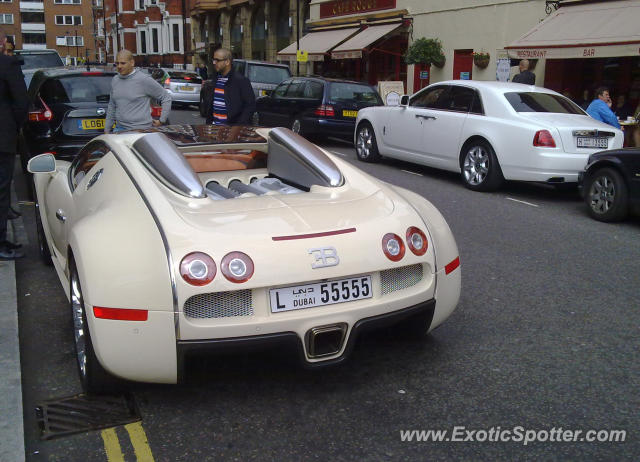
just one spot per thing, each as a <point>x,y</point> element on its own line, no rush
<point>230,100</point>
<point>131,95</point>
<point>13,113</point>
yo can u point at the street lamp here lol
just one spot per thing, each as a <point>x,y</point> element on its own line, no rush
<point>66,41</point>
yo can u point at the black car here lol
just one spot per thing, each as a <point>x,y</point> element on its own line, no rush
<point>67,108</point>
<point>314,106</point>
<point>610,184</point>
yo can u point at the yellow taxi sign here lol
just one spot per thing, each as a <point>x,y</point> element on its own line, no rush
<point>302,56</point>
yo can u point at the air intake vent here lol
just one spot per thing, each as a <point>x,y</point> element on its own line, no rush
<point>400,278</point>
<point>219,305</point>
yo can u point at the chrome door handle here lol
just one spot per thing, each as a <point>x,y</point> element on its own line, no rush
<point>60,215</point>
<point>427,117</point>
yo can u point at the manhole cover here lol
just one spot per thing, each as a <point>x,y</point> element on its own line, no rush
<point>81,413</point>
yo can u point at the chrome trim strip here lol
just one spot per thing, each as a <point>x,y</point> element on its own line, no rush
<point>165,242</point>
<point>313,165</point>
<point>160,155</point>
<point>592,133</point>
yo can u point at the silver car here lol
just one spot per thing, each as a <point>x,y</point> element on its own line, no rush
<point>183,86</point>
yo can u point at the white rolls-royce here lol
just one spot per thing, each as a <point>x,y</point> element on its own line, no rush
<point>190,238</point>
<point>487,131</point>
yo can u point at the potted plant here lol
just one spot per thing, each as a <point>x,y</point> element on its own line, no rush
<point>426,51</point>
<point>481,59</point>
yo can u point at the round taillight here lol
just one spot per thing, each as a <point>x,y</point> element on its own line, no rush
<point>237,267</point>
<point>417,241</point>
<point>197,268</point>
<point>393,247</point>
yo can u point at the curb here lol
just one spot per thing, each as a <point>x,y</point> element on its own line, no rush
<point>11,425</point>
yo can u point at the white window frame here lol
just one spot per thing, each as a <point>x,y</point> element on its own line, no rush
<point>139,40</point>
<point>67,2</point>
<point>69,41</point>
<point>64,18</point>
<point>140,5</point>
<point>6,1</point>
<point>4,15</point>
<point>170,23</point>
<point>150,49</point>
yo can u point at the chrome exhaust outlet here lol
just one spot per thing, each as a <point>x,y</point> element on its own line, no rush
<point>325,340</point>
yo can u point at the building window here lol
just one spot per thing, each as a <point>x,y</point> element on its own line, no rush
<point>64,20</point>
<point>70,41</point>
<point>176,37</point>
<point>5,1</point>
<point>141,4</point>
<point>154,41</point>
<point>153,2</point>
<point>34,39</point>
<point>32,18</point>
<point>6,19</point>
<point>143,42</point>
<point>67,2</point>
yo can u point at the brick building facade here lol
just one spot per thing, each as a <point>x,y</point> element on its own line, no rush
<point>156,32</point>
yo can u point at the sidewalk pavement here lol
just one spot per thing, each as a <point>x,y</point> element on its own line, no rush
<point>11,416</point>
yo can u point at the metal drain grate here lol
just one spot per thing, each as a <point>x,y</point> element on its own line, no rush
<point>81,413</point>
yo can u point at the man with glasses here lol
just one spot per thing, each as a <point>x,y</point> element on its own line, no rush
<point>230,100</point>
<point>131,95</point>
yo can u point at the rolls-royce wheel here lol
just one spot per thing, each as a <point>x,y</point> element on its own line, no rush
<point>480,168</point>
<point>93,377</point>
<point>606,196</point>
<point>296,126</point>
<point>366,145</point>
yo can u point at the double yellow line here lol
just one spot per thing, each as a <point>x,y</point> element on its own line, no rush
<point>138,441</point>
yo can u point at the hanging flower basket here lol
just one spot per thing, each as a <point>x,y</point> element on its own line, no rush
<point>481,59</point>
<point>425,51</point>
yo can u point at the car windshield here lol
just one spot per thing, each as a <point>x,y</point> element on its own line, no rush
<point>40,60</point>
<point>268,74</point>
<point>343,91</point>
<point>185,77</point>
<point>77,89</point>
<point>542,102</point>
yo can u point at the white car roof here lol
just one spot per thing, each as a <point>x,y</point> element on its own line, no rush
<point>496,87</point>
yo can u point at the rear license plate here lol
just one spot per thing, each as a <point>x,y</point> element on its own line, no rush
<point>186,88</point>
<point>320,294</point>
<point>592,142</point>
<point>349,113</point>
<point>91,124</point>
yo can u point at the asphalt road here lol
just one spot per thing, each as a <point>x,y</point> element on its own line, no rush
<point>545,336</point>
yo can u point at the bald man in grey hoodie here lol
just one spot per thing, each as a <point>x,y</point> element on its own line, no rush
<point>131,94</point>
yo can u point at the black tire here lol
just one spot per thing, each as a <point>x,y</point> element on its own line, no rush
<point>366,144</point>
<point>93,377</point>
<point>480,169</point>
<point>606,195</point>
<point>43,246</point>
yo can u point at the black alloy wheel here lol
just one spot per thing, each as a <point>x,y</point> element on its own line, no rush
<point>607,197</point>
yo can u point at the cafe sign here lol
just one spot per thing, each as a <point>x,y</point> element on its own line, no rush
<point>344,7</point>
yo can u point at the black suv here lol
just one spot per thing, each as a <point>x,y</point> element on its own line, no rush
<point>314,106</point>
<point>67,108</point>
<point>263,77</point>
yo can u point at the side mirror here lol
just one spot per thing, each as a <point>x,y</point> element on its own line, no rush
<point>404,100</point>
<point>43,163</point>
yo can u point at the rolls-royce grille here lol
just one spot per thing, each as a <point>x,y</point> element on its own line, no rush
<point>219,305</point>
<point>400,278</point>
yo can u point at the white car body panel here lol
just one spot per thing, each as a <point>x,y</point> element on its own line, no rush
<point>436,137</point>
<point>127,233</point>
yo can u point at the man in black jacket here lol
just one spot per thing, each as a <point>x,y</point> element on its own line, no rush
<point>229,99</point>
<point>525,76</point>
<point>13,113</point>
